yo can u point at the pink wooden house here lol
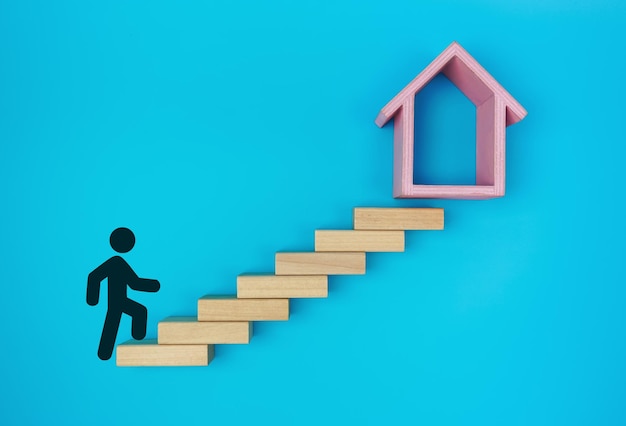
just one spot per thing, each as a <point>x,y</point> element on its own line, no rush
<point>495,110</point>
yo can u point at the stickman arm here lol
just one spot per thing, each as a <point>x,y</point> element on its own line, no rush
<point>142,284</point>
<point>145,284</point>
<point>93,282</point>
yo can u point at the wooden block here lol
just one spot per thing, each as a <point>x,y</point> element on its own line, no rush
<point>330,263</point>
<point>356,241</point>
<point>495,109</point>
<point>282,286</point>
<point>398,219</point>
<point>223,308</point>
<point>188,331</point>
<point>147,353</point>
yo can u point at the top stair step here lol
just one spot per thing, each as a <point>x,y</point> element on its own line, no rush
<point>398,219</point>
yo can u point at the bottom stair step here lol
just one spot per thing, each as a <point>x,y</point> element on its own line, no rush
<point>147,353</point>
<point>188,331</point>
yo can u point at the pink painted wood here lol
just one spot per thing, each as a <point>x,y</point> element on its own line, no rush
<point>495,110</point>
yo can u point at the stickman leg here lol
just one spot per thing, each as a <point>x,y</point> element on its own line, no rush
<point>139,313</point>
<point>109,333</point>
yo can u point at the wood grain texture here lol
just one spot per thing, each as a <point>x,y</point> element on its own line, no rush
<point>189,331</point>
<point>215,308</point>
<point>147,353</point>
<point>281,286</point>
<point>398,218</point>
<point>330,263</point>
<point>496,109</point>
<point>357,241</point>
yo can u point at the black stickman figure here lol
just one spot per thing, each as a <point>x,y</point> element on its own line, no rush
<point>120,276</point>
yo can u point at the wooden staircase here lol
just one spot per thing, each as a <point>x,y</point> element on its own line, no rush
<point>189,341</point>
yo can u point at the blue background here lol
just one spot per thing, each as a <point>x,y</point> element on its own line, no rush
<point>221,132</point>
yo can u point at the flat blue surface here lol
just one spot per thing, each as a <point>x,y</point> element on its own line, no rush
<point>221,132</point>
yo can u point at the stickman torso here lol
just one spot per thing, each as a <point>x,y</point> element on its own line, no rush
<point>120,276</point>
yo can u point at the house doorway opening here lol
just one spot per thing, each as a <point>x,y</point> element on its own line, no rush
<point>445,135</point>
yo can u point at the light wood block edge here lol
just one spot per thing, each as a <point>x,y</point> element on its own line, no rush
<point>359,240</point>
<point>320,263</point>
<point>213,308</point>
<point>148,353</point>
<point>190,331</point>
<point>282,286</point>
<point>407,219</point>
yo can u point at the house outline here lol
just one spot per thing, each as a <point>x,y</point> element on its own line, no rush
<point>495,110</point>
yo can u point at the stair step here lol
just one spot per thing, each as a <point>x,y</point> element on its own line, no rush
<point>327,263</point>
<point>188,331</point>
<point>224,308</point>
<point>282,286</point>
<point>147,353</point>
<point>401,219</point>
<point>355,241</point>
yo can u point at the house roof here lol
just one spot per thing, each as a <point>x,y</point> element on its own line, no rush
<point>467,74</point>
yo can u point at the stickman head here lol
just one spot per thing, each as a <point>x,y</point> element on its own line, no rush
<point>122,240</point>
